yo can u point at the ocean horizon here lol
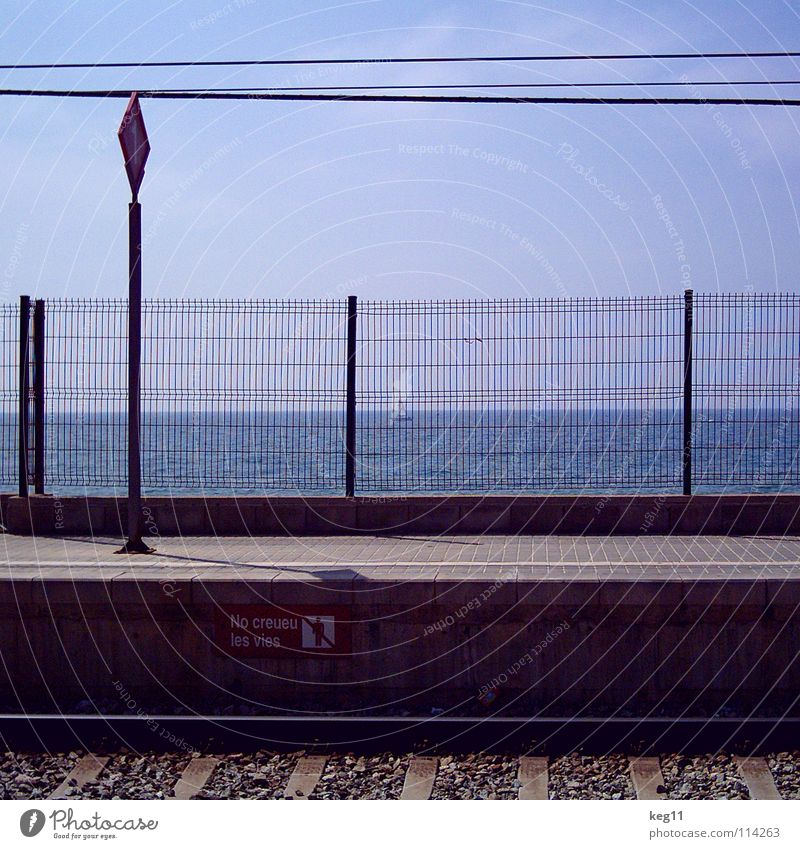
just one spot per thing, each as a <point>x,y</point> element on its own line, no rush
<point>420,450</point>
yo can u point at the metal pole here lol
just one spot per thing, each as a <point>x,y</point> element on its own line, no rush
<point>24,392</point>
<point>38,397</point>
<point>350,421</point>
<point>135,542</point>
<point>688,322</point>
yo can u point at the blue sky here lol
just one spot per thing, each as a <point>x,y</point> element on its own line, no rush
<point>389,201</point>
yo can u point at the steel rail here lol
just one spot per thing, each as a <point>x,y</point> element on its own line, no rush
<point>550,735</point>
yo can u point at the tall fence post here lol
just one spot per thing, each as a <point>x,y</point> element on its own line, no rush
<point>688,323</point>
<point>135,150</point>
<point>24,392</point>
<point>350,420</point>
<point>38,396</point>
<point>135,543</point>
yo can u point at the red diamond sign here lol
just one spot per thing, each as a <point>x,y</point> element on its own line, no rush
<point>133,141</point>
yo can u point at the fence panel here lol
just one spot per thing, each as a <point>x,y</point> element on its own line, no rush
<point>85,394</point>
<point>534,396</point>
<point>451,396</point>
<point>245,395</point>
<point>9,397</point>
<point>747,391</point>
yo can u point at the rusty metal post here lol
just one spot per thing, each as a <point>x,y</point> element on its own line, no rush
<point>135,150</point>
<point>38,397</point>
<point>135,543</point>
<point>688,324</point>
<point>350,420</point>
<point>23,416</point>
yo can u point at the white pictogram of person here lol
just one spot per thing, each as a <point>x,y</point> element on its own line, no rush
<point>318,628</point>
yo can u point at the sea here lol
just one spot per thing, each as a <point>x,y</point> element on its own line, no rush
<point>491,450</point>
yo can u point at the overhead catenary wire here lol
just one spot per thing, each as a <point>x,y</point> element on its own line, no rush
<point>481,87</point>
<point>394,60</point>
<point>160,94</point>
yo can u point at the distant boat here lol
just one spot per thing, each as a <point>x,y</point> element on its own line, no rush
<point>402,385</point>
<point>400,411</point>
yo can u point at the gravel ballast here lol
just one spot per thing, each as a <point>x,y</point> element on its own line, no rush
<point>135,776</point>
<point>702,777</point>
<point>476,777</point>
<point>785,768</point>
<point>352,777</point>
<point>33,776</point>
<point>582,777</point>
<point>262,775</point>
<point>265,775</point>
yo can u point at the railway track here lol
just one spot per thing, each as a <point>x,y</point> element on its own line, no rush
<point>172,757</point>
<point>370,734</point>
<point>302,776</point>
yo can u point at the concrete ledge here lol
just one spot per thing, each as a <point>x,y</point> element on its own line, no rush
<point>563,646</point>
<point>458,514</point>
<point>527,625</point>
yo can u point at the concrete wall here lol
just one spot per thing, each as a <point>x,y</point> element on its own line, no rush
<point>617,514</point>
<point>663,646</point>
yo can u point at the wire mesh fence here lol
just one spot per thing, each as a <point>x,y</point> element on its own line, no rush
<point>450,396</point>
<point>520,395</point>
<point>746,423</point>
<point>9,393</point>
<point>235,395</point>
<point>86,392</point>
<point>245,395</point>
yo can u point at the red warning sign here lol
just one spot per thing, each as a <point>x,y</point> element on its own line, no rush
<point>265,630</point>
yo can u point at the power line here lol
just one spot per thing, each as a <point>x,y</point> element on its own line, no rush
<point>159,94</point>
<point>403,60</point>
<point>464,86</point>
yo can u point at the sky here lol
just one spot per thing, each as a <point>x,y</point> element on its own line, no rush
<point>399,201</point>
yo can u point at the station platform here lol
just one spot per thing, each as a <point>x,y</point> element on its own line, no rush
<point>511,625</point>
